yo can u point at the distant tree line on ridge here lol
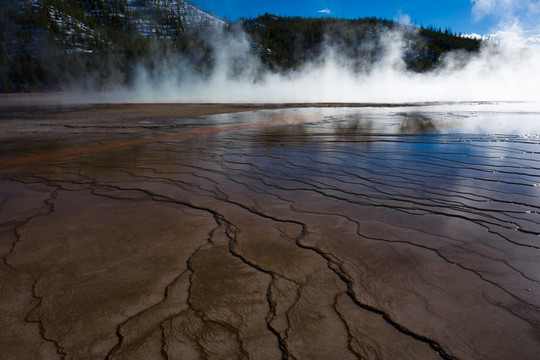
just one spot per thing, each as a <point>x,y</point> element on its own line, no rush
<point>98,41</point>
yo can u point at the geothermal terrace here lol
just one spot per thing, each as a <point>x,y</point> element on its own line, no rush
<point>174,231</point>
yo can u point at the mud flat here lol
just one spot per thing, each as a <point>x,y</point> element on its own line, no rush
<point>297,232</point>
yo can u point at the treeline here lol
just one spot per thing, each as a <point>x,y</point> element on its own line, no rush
<point>289,42</point>
<point>86,42</point>
<point>99,42</point>
<point>286,43</point>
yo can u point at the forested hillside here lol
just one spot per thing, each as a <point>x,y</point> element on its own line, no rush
<point>289,42</point>
<point>47,43</point>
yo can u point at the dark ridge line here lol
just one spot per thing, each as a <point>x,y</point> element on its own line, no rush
<point>93,187</point>
<point>451,239</point>
<point>409,175</point>
<point>220,220</point>
<point>482,223</point>
<point>200,313</point>
<point>382,138</point>
<point>20,224</point>
<point>461,266</point>
<point>163,351</point>
<point>119,328</point>
<point>348,174</point>
<point>352,295</point>
<point>297,297</point>
<point>458,204</point>
<point>324,186</point>
<point>378,157</point>
<point>398,197</point>
<point>428,248</point>
<point>451,205</point>
<point>440,255</point>
<point>537,281</point>
<point>118,346</point>
<point>488,168</point>
<point>60,350</point>
<point>334,176</point>
<point>350,337</point>
<point>434,344</point>
<point>477,221</point>
<point>319,189</point>
<point>439,196</point>
<point>343,276</point>
<point>189,264</point>
<point>286,354</point>
<point>231,233</point>
<point>487,158</point>
<point>271,315</point>
<point>199,188</point>
<point>15,225</point>
<point>407,171</point>
<point>160,179</point>
<point>2,204</point>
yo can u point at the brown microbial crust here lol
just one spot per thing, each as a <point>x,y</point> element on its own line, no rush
<point>157,231</point>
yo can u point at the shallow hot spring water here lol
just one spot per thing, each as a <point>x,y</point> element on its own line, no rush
<point>408,232</point>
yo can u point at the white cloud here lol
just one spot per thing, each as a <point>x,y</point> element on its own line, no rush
<point>483,8</point>
<point>325,11</point>
<point>403,19</point>
<point>475,36</point>
<point>505,10</point>
<point>505,70</point>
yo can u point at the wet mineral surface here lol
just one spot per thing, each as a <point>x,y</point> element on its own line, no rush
<point>162,231</point>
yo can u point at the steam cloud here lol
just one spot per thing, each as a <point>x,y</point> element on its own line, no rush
<point>506,69</point>
<point>507,10</point>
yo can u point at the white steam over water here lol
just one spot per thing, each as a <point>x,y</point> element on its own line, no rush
<point>506,69</point>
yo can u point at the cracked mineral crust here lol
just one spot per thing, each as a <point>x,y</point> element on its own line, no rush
<point>233,232</point>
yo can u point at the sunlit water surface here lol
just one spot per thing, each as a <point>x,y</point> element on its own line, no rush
<point>412,231</point>
<point>476,161</point>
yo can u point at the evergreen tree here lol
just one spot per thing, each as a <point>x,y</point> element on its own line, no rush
<point>47,43</point>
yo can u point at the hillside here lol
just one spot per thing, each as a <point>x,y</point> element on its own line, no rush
<point>290,42</point>
<point>47,43</point>
<point>44,43</point>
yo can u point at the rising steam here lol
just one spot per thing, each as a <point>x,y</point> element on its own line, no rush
<point>506,69</point>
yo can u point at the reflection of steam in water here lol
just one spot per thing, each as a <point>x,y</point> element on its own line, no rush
<point>276,135</point>
<point>349,128</point>
<point>369,124</point>
<point>361,124</point>
<point>353,124</point>
<point>416,124</point>
<point>302,128</point>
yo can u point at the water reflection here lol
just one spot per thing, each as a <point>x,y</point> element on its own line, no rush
<point>415,123</point>
<point>424,130</point>
<point>473,164</point>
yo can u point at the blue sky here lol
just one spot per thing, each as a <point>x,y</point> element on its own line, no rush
<point>465,16</point>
